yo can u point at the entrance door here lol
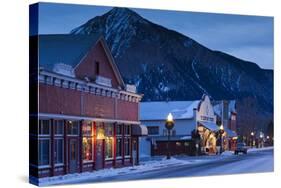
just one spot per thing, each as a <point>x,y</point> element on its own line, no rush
<point>73,155</point>
<point>134,152</point>
<point>99,154</point>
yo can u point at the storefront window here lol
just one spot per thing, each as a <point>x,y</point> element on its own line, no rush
<point>44,127</point>
<point>58,151</point>
<point>127,129</point>
<point>119,129</point>
<point>109,147</point>
<point>108,129</point>
<point>58,127</point>
<point>87,141</point>
<point>73,127</point>
<point>119,147</point>
<point>44,152</point>
<point>87,149</point>
<point>127,146</point>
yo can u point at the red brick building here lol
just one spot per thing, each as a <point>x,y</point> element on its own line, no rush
<point>82,115</point>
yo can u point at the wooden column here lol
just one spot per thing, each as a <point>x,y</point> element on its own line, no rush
<point>103,147</point>
<point>65,146</point>
<point>94,143</point>
<point>114,144</point>
<point>52,148</point>
<point>123,144</point>
<point>80,138</point>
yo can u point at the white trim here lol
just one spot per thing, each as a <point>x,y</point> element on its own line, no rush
<point>70,117</point>
<point>51,75</point>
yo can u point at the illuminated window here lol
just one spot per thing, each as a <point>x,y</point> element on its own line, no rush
<point>87,141</point>
<point>109,147</point>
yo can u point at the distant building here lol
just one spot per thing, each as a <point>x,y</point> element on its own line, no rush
<point>194,131</point>
<point>227,116</point>
<point>86,118</point>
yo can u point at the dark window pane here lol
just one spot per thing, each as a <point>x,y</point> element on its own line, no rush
<point>44,127</point>
<point>153,130</point>
<point>73,127</point>
<point>119,129</point>
<point>44,146</point>
<point>127,146</point>
<point>58,151</point>
<point>127,129</point>
<point>119,147</point>
<point>59,127</point>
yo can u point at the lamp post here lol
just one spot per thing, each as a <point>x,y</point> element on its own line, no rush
<point>252,136</point>
<point>169,126</point>
<point>221,138</point>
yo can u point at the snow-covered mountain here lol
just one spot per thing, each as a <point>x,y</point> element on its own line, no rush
<point>166,65</point>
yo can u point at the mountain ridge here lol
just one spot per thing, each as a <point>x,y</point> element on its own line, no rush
<point>167,65</point>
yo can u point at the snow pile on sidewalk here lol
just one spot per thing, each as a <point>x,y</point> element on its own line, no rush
<point>95,175</point>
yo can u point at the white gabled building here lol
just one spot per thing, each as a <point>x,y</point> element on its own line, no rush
<point>189,116</point>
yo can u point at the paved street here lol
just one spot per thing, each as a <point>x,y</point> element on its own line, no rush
<point>253,162</point>
<point>257,160</point>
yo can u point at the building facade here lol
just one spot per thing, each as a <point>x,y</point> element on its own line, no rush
<point>194,131</point>
<point>82,115</point>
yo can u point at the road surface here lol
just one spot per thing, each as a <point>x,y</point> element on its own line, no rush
<point>255,161</point>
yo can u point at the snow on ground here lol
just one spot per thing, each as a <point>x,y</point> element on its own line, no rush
<point>160,162</point>
<point>144,166</point>
<point>260,149</point>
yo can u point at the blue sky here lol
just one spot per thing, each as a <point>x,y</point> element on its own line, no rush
<point>246,37</point>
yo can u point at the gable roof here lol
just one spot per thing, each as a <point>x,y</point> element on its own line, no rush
<point>70,50</point>
<point>160,110</point>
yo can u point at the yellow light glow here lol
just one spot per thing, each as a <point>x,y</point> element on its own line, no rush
<point>170,117</point>
<point>221,127</point>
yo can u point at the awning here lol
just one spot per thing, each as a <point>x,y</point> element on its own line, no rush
<point>139,130</point>
<point>209,125</point>
<point>230,133</point>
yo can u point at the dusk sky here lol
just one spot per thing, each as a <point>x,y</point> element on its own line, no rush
<point>246,37</point>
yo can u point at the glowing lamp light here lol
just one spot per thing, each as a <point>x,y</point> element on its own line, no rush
<point>252,133</point>
<point>170,117</point>
<point>221,127</point>
<point>267,137</point>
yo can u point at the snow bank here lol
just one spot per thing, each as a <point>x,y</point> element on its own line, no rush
<point>144,166</point>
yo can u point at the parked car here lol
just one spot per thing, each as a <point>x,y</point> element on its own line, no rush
<point>241,148</point>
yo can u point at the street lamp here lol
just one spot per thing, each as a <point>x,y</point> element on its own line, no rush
<point>252,136</point>
<point>221,131</point>
<point>169,126</point>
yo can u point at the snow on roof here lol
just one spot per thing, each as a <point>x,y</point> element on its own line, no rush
<point>160,110</point>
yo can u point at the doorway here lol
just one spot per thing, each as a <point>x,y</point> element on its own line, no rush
<point>73,155</point>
